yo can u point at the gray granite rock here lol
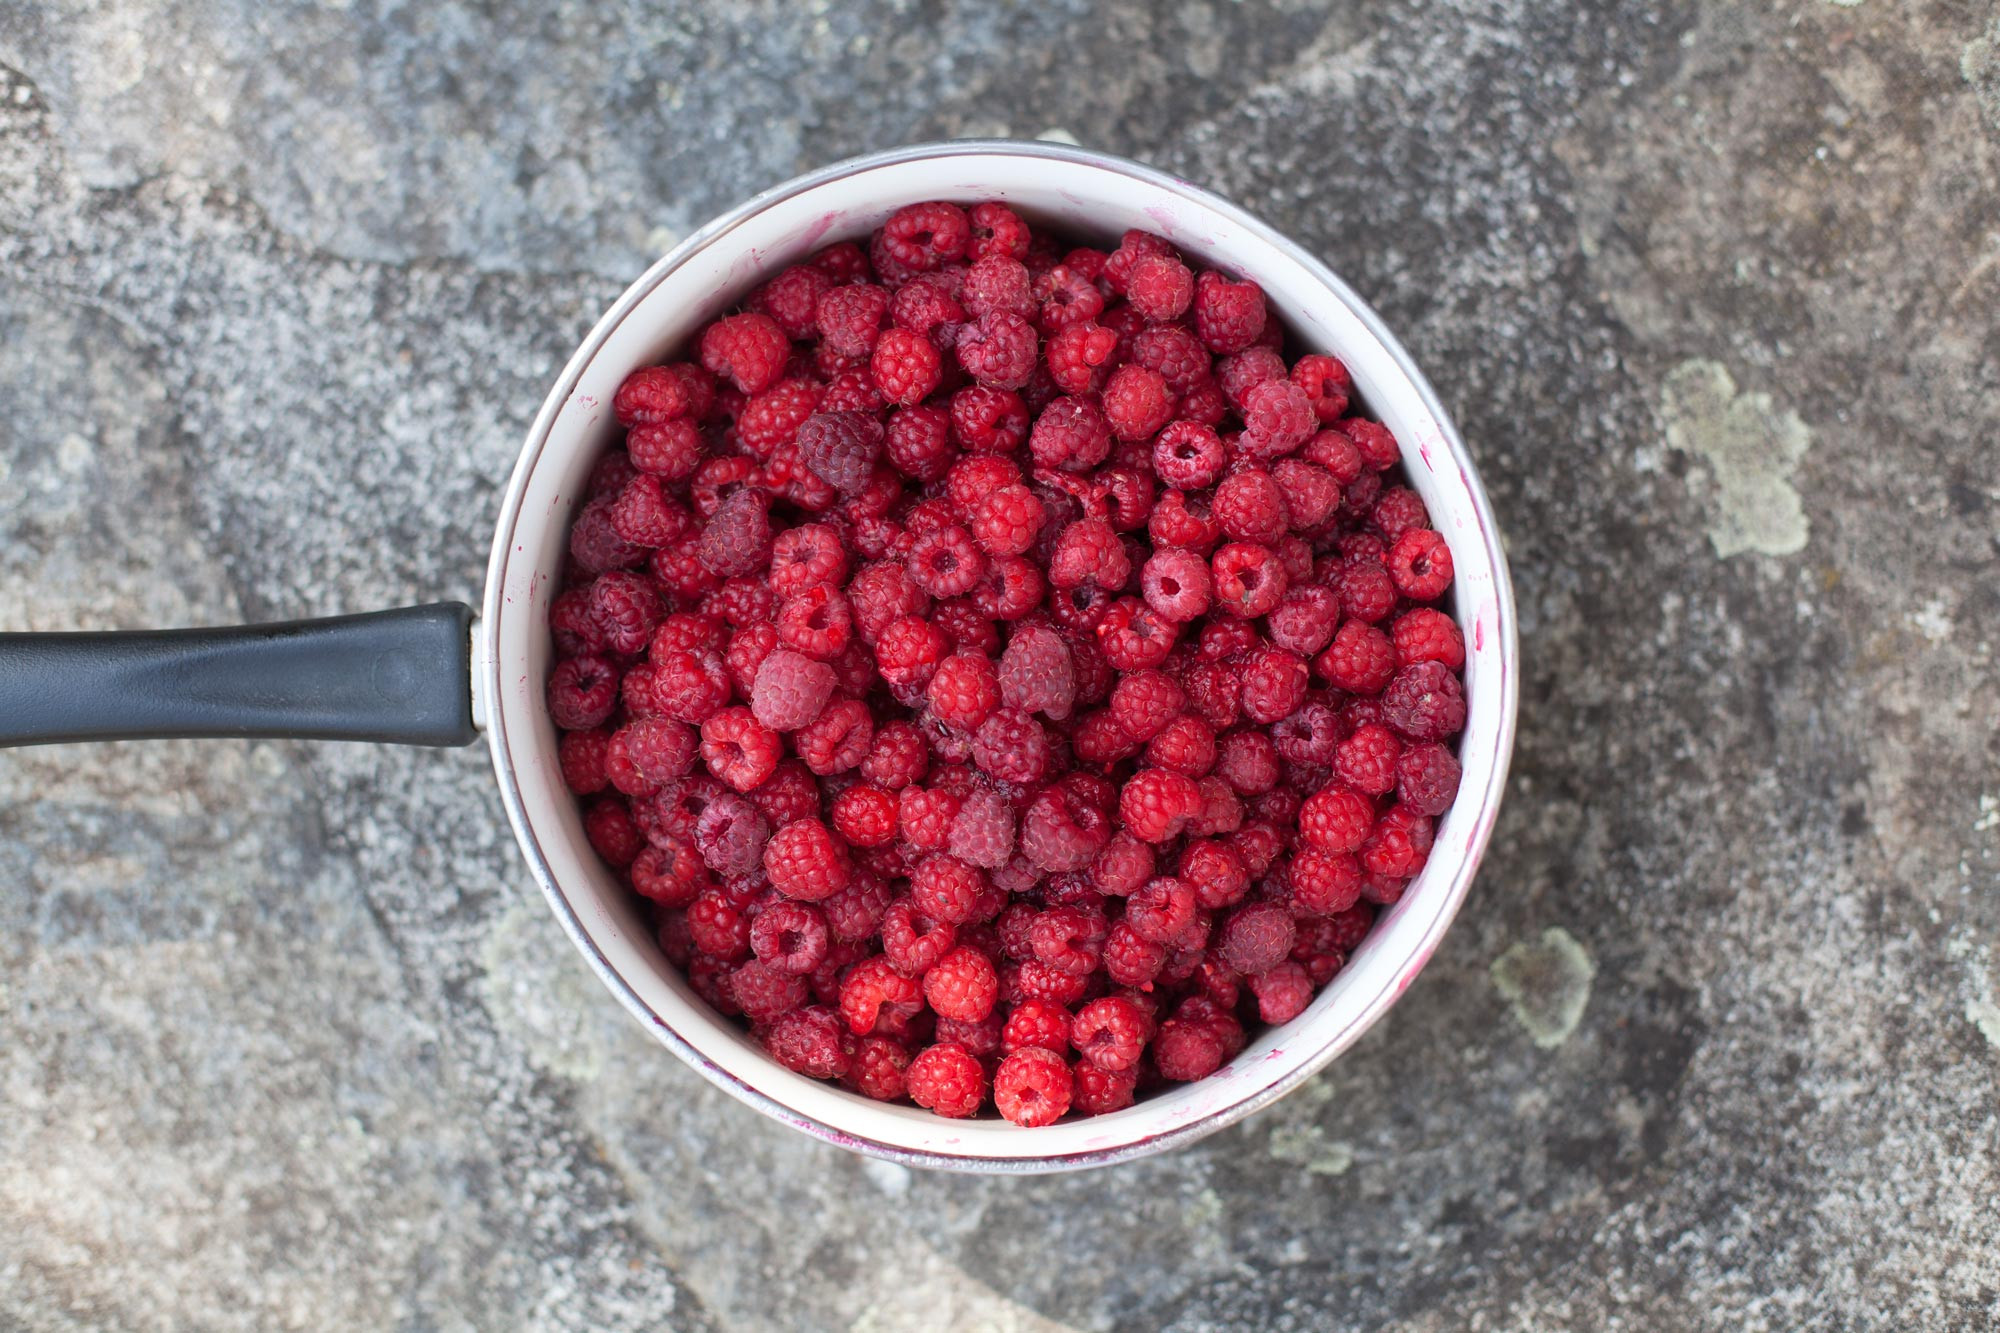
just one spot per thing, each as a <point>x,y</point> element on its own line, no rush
<point>290,1040</point>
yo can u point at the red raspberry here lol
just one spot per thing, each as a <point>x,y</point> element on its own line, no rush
<point>1032,1087</point>
<point>1186,745</point>
<point>998,350</point>
<point>918,442</point>
<point>739,749</point>
<point>1130,959</point>
<point>1066,296</point>
<point>865,815</point>
<point>850,319</point>
<point>1274,685</point>
<point>581,758</point>
<point>1303,621</point>
<point>1335,820</point>
<point>690,687</point>
<point>1122,866</point>
<point>1326,384</point>
<point>659,751</point>
<point>1185,1051</point>
<point>1071,434</point>
<point>924,236</point>
<point>1156,804</point>
<point>986,420</point>
<point>789,299</point>
<point>1161,911</point>
<point>905,366</point>
<point>771,419</point>
<point>1399,510</point>
<point>806,556</point>
<point>1250,507</point>
<point>1337,454</point>
<point>595,544</point>
<point>1277,419</point>
<point>1137,403</point>
<point>836,740</point>
<point>1215,872</point>
<point>1366,760</point>
<point>1177,585</point>
<point>873,991</point>
<point>1111,1032</point>
<point>1181,520</point>
<point>982,833</point>
<point>765,993</point>
<point>805,861</point>
<point>644,516</point>
<point>996,230</point>
<point>912,942</point>
<point>1378,447</point>
<point>670,875</point>
<point>946,888</point>
<point>1011,746</point>
<point>790,690</point>
<point>882,592</point>
<point>1425,702</point>
<point>843,261</point>
<point>964,691</point>
<point>1427,778</point>
<point>877,1069</point>
<point>1283,992</point>
<point>1036,1024</point>
<point>1036,675</point>
<point>817,622</point>
<point>1099,740</point>
<point>1061,831</point>
<point>962,986</point>
<point>1228,316</point>
<point>841,447</point>
<point>1160,288</point>
<point>1249,579</point>
<point>789,937</point>
<point>1134,637</point>
<point>653,394</point>
<point>609,827</point>
<point>852,391</point>
<point>1397,846</point>
<point>1133,246</point>
<point>1324,884</point>
<point>737,539</point>
<point>946,562</point>
<point>1001,284</point>
<point>1424,635</point>
<point>1036,980</point>
<point>928,307</point>
<point>1360,660</point>
<point>1308,738</point>
<point>898,755</point>
<point>946,1079</point>
<point>1079,355</point>
<point>1420,563</point>
<point>909,650</point>
<point>1188,454</point>
<point>730,834</point>
<point>749,350</point>
<point>582,692</point>
<point>1006,521</point>
<point>1101,1091</point>
<point>1256,937</point>
<point>1143,702</point>
<point>1088,551</point>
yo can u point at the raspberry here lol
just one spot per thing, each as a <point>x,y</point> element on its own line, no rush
<point>1066,296</point>
<point>1134,637</point>
<point>1159,287</point>
<point>1184,1051</point>
<point>582,692</point>
<point>749,350</point>
<point>1323,883</point>
<point>1032,1087</point>
<point>1097,1091</point>
<point>998,350</point>
<point>1036,1024</point>
<point>1377,446</point>
<point>1079,355</point>
<point>1366,761</point>
<point>1228,316</point>
<point>1397,846</point>
<point>1249,580</point>
<point>1304,619</point>
<point>1137,403</point>
<point>670,875</point>
<point>1122,866</point>
<point>876,1069</point>
<point>1274,685</point>
<point>595,544</point>
<point>872,991</point>
<point>1326,384</point>
<point>905,366</point>
<point>1130,959</point>
<point>850,319</point>
<point>909,650</point>
<point>789,937</point>
<point>999,283</point>
<point>690,687</point>
<point>765,993</point>
<point>1088,551</point>
<point>1310,737</point>
<point>1420,563</point>
<point>982,833</point>
<point>1071,434</point>
<point>790,690</point>
<point>841,447</point>
<point>964,691</point>
<point>1011,746</point>
<point>609,827</point>
<point>1133,246</point>
<point>1282,992</point>
<point>924,236</point>
<point>1250,507</point>
<point>807,556</point>
<point>1178,357</point>
<point>771,419</point>
<point>1424,702</point>
<point>946,888</point>
<point>1111,1032</point>
<point>962,986</point>
<point>581,758</point>
<point>805,861</point>
<point>1036,675</point>
<point>1060,831</point>
<point>808,1041</point>
<point>882,592</point>
<point>1398,511</point>
<point>1427,778</point>
<point>996,230</point>
<point>1277,419</point>
<point>658,751</point>
<point>864,815</point>
<point>644,516</point>
<point>1256,937</point>
<point>898,755</point>
<point>1143,702</point>
<point>946,1079</point>
<point>1360,660</point>
<point>739,749</point>
<point>838,739</point>
<point>1188,454</point>
<point>789,299</point>
<point>817,622</point>
<point>926,307</point>
<point>1424,635</point>
<point>651,395</point>
<point>946,562</point>
<point>1156,804</point>
<point>1186,745</point>
<point>737,539</point>
<point>1337,454</point>
<point>1177,585</point>
<point>918,442</point>
<point>1335,820</point>
<point>986,420</point>
<point>1006,521</point>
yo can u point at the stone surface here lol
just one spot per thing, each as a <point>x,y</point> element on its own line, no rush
<point>290,1040</point>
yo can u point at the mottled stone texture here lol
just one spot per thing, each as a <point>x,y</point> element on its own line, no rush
<point>289,1038</point>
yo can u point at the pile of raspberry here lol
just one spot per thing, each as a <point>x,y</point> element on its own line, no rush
<point>1004,672</point>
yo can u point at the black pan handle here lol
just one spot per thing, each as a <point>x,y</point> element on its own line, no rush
<point>403,676</point>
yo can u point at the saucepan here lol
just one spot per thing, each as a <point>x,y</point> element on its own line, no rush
<point>443,675</point>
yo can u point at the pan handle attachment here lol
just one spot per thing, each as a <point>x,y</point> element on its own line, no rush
<point>403,676</point>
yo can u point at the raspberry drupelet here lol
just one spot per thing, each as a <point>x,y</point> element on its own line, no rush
<point>1005,672</point>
